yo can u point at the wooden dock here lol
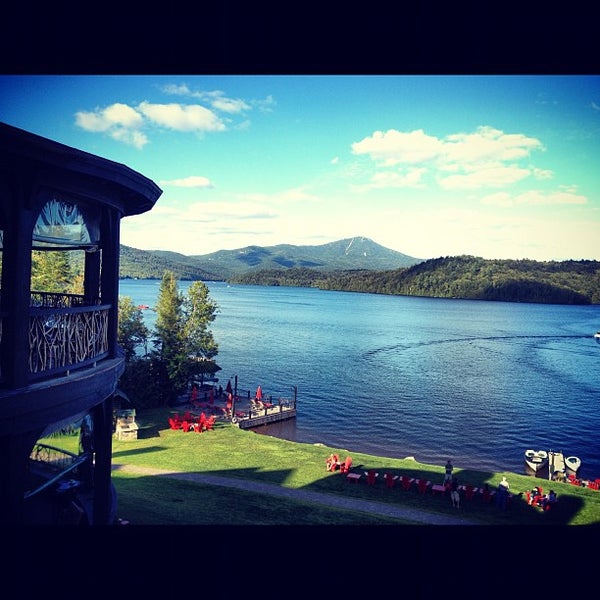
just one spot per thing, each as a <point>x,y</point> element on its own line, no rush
<point>263,416</point>
<point>556,464</point>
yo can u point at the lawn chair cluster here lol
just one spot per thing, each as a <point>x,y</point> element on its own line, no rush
<point>258,405</point>
<point>593,485</point>
<point>537,498</point>
<point>187,422</point>
<point>465,492</point>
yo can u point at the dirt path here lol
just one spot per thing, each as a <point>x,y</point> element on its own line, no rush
<point>378,508</point>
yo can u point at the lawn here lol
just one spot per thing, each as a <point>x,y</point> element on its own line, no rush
<point>231,452</point>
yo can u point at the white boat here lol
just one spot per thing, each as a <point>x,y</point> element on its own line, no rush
<point>536,459</point>
<point>597,336</point>
<point>572,464</point>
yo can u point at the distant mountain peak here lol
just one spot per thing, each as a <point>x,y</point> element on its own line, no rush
<point>355,253</point>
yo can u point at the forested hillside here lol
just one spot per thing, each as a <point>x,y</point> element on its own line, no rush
<point>350,253</point>
<point>140,264</point>
<point>567,282</point>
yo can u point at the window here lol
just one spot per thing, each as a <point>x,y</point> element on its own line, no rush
<point>63,223</point>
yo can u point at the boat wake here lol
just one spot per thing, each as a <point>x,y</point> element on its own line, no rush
<point>495,338</point>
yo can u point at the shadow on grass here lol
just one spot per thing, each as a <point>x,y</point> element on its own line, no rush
<point>517,512</point>
<point>138,451</point>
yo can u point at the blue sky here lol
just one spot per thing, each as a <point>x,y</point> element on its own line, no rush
<point>490,166</point>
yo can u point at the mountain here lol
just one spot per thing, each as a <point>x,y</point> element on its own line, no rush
<point>358,253</point>
<point>142,264</point>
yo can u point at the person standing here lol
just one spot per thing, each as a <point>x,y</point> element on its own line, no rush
<point>502,493</point>
<point>454,494</point>
<point>448,474</point>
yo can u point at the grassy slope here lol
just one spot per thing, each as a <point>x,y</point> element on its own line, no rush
<point>231,452</point>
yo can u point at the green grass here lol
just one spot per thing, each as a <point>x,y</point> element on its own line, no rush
<point>231,452</point>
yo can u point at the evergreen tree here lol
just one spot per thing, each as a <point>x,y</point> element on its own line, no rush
<point>169,341</point>
<point>185,345</point>
<point>199,312</point>
<point>132,332</point>
<point>51,271</point>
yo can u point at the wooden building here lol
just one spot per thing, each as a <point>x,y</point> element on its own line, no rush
<point>59,357</point>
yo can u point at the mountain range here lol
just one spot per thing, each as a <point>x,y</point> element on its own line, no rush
<point>357,253</point>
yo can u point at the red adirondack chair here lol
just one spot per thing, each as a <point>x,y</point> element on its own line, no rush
<point>346,465</point>
<point>406,482</point>
<point>371,476</point>
<point>469,491</point>
<point>487,494</point>
<point>422,485</point>
<point>390,480</point>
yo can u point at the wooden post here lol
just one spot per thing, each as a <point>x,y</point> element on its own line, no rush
<point>235,391</point>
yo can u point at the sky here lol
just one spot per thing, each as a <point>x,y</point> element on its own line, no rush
<point>494,166</point>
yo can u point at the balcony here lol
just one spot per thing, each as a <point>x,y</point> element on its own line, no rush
<point>64,334</point>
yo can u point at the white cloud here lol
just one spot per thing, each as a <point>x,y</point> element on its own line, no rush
<point>488,144</point>
<point>484,176</point>
<point>388,179</point>
<point>115,115</point>
<point>193,181</point>
<point>230,105</point>
<point>393,147</point>
<point>551,198</point>
<point>266,105</point>
<point>535,197</point>
<point>486,158</point>
<point>120,121</point>
<point>173,89</point>
<point>216,98</point>
<point>182,117</point>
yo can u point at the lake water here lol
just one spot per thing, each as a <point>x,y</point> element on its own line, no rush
<point>477,382</point>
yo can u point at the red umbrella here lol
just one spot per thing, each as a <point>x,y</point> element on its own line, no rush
<point>259,393</point>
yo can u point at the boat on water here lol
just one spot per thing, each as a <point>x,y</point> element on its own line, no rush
<point>536,460</point>
<point>572,464</point>
<point>597,336</point>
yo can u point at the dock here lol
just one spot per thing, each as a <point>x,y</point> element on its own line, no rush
<point>265,410</point>
<point>556,464</point>
<point>268,414</point>
<point>240,408</point>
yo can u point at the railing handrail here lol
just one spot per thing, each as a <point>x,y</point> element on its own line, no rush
<point>49,310</point>
<point>62,339</point>
<point>78,460</point>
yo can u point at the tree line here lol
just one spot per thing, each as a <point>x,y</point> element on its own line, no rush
<point>466,277</point>
<point>183,345</point>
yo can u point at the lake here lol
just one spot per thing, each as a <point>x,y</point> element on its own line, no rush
<point>477,382</point>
